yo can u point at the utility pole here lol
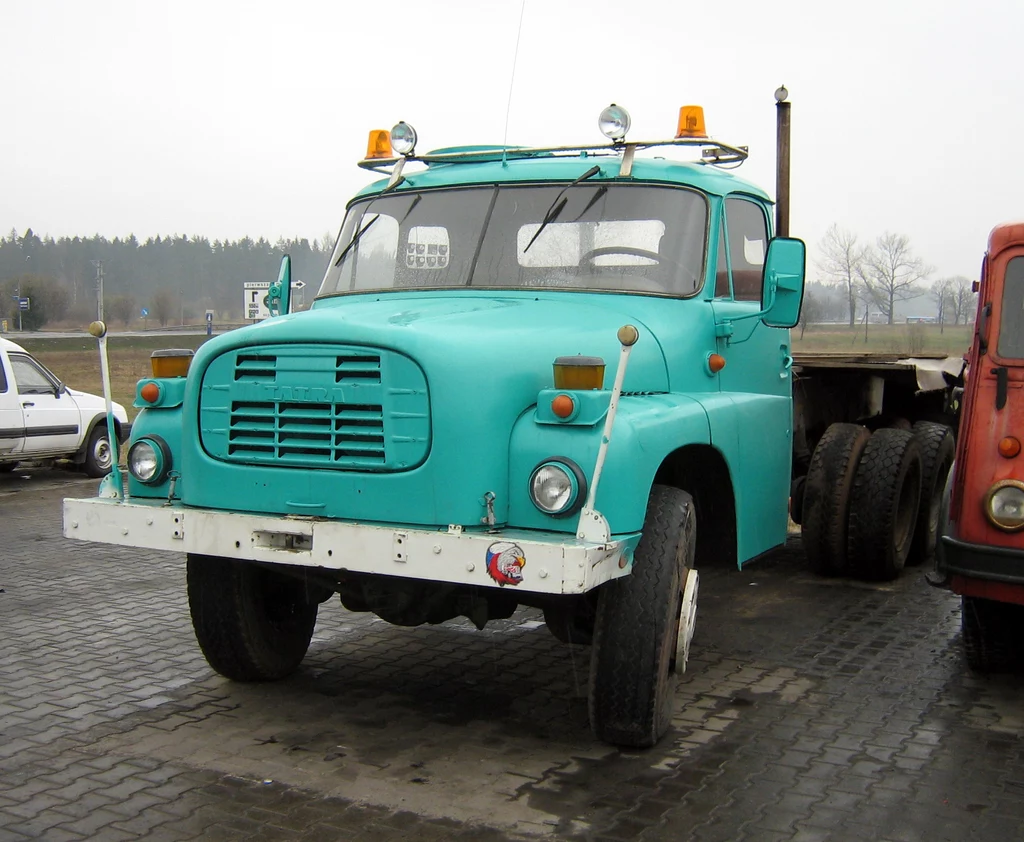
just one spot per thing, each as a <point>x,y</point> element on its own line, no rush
<point>99,288</point>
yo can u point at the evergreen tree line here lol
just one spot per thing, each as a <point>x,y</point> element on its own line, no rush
<point>177,279</point>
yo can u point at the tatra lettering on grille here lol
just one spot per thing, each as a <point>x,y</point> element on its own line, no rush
<point>316,406</point>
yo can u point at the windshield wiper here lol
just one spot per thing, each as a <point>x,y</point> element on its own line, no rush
<point>355,239</point>
<point>558,205</point>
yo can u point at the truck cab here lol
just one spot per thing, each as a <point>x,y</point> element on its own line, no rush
<point>981,550</point>
<point>554,377</point>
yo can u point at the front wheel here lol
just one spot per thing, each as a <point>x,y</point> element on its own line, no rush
<point>99,455</point>
<point>252,622</point>
<point>638,627</point>
<point>990,633</point>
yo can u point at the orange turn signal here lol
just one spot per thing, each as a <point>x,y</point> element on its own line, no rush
<point>1009,447</point>
<point>691,122</point>
<point>150,393</point>
<point>579,373</point>
<point>563,406</point>
<point>379,144</point>
<point>171,362</point>
<point>716,362</point>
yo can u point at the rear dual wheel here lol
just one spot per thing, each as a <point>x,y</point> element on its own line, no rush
<point>884,504</point>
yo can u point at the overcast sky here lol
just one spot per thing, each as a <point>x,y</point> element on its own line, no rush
<point>228,118</point>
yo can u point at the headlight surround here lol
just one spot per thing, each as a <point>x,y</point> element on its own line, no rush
<point>558,487</point>
<point>1004,505</point>
<point>149,460</point>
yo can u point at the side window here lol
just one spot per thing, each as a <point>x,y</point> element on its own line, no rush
<point>3,378</point>
<point>748,242</point>
<point>29,377</point>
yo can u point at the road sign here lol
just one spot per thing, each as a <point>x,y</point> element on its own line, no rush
<point>254,306</point>
<point>145,312</point>
<point>298,284</point>
<point>24,303</point>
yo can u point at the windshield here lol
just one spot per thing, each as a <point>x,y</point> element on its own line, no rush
<point>1011,322</point>
<point>624,237</point>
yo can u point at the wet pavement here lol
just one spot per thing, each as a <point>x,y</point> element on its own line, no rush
<point>811,710</point>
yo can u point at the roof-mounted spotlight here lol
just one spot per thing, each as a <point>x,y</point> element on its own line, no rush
<point>403,138</point>
<point>781,94</point>
<point>614,122</point>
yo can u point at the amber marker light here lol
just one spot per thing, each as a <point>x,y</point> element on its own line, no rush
<point>1009,447</point>
<point>150,393</point>
<point>379,144</point>
<point>563,406</point>
<point>579,372</point>
<point>716,362</point>
<point>171,362</point>
<point>691,122</point>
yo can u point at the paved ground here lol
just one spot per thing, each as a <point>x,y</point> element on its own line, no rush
<point>812,710</point>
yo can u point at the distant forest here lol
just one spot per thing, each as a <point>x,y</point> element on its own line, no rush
<point>175,278</point>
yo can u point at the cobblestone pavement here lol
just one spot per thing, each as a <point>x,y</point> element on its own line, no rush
<point>811,710</point>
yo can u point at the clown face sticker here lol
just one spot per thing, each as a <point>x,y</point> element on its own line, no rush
<point>505,563</point>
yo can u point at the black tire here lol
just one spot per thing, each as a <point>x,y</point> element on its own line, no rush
<point>252,623</point>
<point>99,456</point>
<point>938,447</point>
<point>572,621</point>
<point>7,467</point>
<point>884,505</point>
<point>825,508</point>
<point>991,633</point>
<point>637,627</point>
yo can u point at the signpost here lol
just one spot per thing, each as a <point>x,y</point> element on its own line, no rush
<point>254,303</point>
<point>145,318</point>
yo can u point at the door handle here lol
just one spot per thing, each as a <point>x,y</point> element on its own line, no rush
<point>27,403</point>
<point>787,364</point>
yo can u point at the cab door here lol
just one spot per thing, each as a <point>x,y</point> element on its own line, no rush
<point>12,426</point>
<point>50,415</point>
<point>756,381</point>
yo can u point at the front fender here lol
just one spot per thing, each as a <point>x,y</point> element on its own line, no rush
<point>647,429</point>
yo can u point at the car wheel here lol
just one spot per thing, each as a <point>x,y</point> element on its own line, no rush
<point>99,455</point>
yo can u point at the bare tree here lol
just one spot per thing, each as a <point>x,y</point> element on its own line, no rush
<point>812,310</point>
<point>162,307</point>
<point>893,272</point>
<point>841,261</point>
<point>122,308</point>
<point>964,299</point>
<point>942,293</point>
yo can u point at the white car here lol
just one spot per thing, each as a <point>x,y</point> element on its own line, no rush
<point>41,418</point>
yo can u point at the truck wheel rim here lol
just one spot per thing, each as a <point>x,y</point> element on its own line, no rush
<point>687,621</point>
<point>101,453</point>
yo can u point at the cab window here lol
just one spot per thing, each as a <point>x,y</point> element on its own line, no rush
<point>1011,327</point>
<point>747,236</point>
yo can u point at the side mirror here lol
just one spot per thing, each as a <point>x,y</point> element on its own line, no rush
<point>782,283</point>
<point>279,294</point>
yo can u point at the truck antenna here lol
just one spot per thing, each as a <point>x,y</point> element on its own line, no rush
<point>511,82</point>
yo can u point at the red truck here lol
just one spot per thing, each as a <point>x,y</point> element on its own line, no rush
<point>980,554</point>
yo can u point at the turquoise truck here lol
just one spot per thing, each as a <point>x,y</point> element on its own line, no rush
<point>548,377</point>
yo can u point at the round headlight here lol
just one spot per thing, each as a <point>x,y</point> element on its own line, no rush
<point>149,460</point>
<point>614,122</point>
<point>1005,505</point>
<point>403,138</point>
<point>558,487</point>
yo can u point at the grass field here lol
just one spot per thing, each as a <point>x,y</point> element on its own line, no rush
<point>76,361</point>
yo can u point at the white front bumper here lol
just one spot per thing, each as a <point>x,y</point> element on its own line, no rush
<point>553,564</point>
